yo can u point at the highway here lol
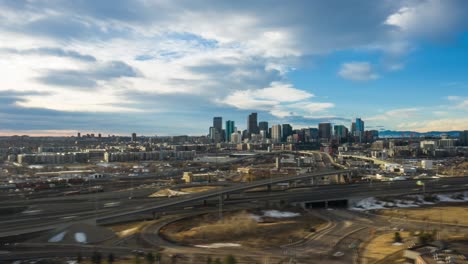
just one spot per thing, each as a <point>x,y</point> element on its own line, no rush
<point>88,208</point>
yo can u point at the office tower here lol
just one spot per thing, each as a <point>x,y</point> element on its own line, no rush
<point>359,133</point>
<point>229,130</point>
<point>236,138</point>
<point>99,135</point>
<point>324,131</point>
<point>215,136</point>
<point>134,137</point>
<point>263,126</point>
<point>341,132</point>
<point>276,133</point>
<point>287,131</point>
<point>252,126</point>
<point>79,135</point>
<point>218,124</point>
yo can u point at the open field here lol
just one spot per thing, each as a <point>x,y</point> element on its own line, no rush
<point>444,214</point>
<point>382,246</point>
<point>199,189</point>
<point>242,228</point>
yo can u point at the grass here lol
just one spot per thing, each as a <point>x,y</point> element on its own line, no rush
<point>444,214</point>
<point>128,229</point>
<point>382,246</point>
<point>239,227</point>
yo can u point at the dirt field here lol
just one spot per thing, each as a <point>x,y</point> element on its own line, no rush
<point>444,214</point>
<point>241,228</point>
<point>382,246</point>
<point>199,189</point>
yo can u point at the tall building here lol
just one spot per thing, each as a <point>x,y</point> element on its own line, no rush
<point>276,133</point>
<point>287,131</point>
<point>79,135</point>
<point>310,134</point>
<point>236,138</point>
<point>341,132</point>
<point>324,131</point>
<point>229,130</point>
<point>134,137</point>
<point>359,133</point>
<point>353,128</point>
<point>463,138</point>
<point>252,126</point>
<point>215,136</point>
<point>263,126</point>
<point>218,124</point>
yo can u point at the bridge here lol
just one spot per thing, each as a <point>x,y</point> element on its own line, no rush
<point>225,192</point>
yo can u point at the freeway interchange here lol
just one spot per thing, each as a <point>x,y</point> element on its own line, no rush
<point>50,213</point>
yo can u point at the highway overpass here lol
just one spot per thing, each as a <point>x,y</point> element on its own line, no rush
<point>221,193</point>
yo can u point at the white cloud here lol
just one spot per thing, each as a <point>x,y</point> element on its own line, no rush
<point>395,114</point>
<point>427,18</point>
<point>280,100</point>
<point>446,124</point>
<point>357,71</point>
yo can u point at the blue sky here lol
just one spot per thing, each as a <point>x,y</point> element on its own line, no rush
<point>167,67</point>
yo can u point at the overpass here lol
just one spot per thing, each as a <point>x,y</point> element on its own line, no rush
<point>223,192</point>
<point>375,161</point>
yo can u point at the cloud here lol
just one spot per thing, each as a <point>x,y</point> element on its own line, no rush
<point>446,124</point>
<point>395,114</point>
<point>357,71</point>
<point>188,56</point>
<point>48,51</point>
<point>430,18</point>
<point>89,77</point>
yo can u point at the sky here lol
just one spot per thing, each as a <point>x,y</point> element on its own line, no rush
<point>167,67</point>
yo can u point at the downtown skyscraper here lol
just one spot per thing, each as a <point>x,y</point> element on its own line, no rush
<point>252,125</point>
<point>230,128</point>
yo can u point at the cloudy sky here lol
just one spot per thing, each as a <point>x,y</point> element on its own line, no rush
<point>167,67</point>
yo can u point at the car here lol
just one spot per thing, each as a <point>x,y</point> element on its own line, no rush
<point>338,254</point>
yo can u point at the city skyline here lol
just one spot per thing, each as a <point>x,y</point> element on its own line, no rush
<point>167,68</point>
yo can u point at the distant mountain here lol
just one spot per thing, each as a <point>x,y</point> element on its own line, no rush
<point>393,133</point>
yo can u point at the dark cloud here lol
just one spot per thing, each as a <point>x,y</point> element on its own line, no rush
<point>89,78</point>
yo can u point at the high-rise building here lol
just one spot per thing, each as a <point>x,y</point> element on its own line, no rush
<point>218,123</point>
<point>229,130</point>
<point>134,137</point>
<point>99,135</point>
<point>276,133</point>
<point>359,133</point>
<point>287,131</point>
<point>236,138</point>
<point>341,132</point>
<point>79,135</point>
<point>324,131</point>
<point>463,138</point>
<point>263,126</point>
<point>215,136</point>
<point>252,126</point>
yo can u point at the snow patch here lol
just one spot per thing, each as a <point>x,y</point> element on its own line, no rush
<point>218,245</point>
<point>58,237</point>
<point>80,237</point>
<point>368,204</point>
<point>255,217</point>
<point>278,214</point>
